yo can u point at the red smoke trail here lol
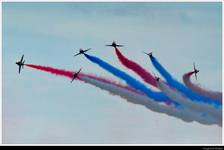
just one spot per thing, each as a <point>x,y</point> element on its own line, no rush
<point>198,89</point>
<point>52,70</point>
<point>145,75</point>
<point>70,74</point>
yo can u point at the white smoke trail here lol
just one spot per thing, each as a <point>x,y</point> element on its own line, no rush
<point>201,112</point>
<point>143,100</point>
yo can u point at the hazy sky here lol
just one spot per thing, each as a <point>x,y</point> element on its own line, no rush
<point>43,108</point>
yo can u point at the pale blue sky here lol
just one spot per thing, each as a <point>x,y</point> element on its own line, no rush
<point>43,108</point>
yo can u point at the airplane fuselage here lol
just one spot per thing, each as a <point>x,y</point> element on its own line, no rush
<point>19,63</point>
<point>196,71</point>
<point>81,51</point>
<point>75,76</point>
<point>114,45</point>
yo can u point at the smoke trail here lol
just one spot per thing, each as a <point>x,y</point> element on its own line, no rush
<point>202,112</point>
<point>139,99</point>
<point>70,74</point>
<point>123,91</point>
<point>145,75</point>
<point>199,90</point>
<point>108,81</point>
<point>158,96</point>
<point>180,87</point>
<point>111,86</point>
<point>52,70</point>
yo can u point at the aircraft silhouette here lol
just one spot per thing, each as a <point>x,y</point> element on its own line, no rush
<point>82,51</point>
<point>115,45</point>
<point>20,63</point>
<point>195,71</point>
<point>76,75</point>
<point>149,54</point>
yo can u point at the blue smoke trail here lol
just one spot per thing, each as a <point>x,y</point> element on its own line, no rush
<point>158,96</point>
<point>180,87</point>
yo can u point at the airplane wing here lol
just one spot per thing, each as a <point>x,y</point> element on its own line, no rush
<point>194,67</point>
<point>75,75</point>
<point>196,77</point>
<point>19,69</point>
<point>77,54</point>
<point>72,80</point>
<point>120,45</point>
<point>79,71</point>
<point>108,45</point>
<point>87,50</point>
<point>21,58</point>
<point>149,54</point>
